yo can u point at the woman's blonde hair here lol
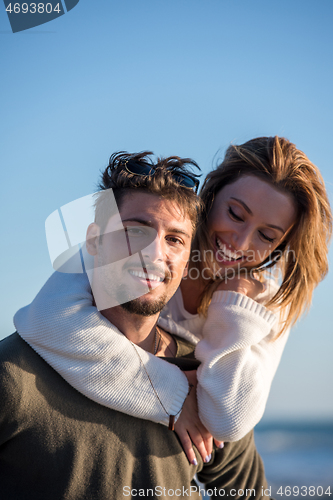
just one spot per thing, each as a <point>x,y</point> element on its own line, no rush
<point>302,257</point>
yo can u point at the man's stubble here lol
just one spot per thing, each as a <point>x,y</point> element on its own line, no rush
<point>122,294</point>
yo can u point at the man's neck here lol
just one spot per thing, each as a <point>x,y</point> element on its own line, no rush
<point>138,329</point>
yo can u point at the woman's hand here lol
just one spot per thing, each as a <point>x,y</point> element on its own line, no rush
<point>190,429</point>
<point>242,283</point>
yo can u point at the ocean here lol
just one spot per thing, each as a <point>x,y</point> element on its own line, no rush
<point>298,459</point>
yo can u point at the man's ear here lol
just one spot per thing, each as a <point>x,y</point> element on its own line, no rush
<point>92,239</point>
<point>185,272</point>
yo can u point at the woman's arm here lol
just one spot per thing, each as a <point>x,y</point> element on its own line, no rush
<point>239,359</point>
<point>90,353</point>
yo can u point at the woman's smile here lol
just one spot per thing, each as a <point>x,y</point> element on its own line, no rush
<point>248,220</point>
<point>225,253</point>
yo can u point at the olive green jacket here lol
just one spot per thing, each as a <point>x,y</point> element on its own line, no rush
<point>56,444</point>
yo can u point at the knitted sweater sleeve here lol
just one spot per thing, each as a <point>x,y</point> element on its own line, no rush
<point>239,358</point>
<point>94,357</point>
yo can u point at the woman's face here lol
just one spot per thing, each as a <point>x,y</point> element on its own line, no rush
<point>248,220</point>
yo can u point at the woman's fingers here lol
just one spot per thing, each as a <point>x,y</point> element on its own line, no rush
<point>255,287</point>
<point>203,443</point>
<point>190,434</point>
<point>187,444</point>
<point>242,283</point>
<point>190,429</point>
<point>219,444</point>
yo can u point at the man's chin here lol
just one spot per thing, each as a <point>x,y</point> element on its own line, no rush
<point>144,307</point>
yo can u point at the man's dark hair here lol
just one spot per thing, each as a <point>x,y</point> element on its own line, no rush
<point>166,181</point>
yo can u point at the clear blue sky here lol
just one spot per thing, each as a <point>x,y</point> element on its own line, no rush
<point>183,77</point>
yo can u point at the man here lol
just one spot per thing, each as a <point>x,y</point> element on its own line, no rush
<point>57,444</point>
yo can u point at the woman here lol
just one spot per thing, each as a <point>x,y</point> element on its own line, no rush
<point>266,208</point>
<point>263,180</point>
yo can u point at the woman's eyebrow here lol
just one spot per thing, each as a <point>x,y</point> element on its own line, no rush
<point>249,211</point>
<point>276,227</point>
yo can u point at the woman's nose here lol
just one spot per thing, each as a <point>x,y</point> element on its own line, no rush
<point>241,240</point>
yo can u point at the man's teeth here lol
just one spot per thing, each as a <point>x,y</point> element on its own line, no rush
<point>225,251</point>
<point>151,277</point>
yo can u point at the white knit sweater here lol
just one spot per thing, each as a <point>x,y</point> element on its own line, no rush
<point>238,359</point>
<point>234,345</point>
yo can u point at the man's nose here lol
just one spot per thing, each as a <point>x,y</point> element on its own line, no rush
<point>154,252</point>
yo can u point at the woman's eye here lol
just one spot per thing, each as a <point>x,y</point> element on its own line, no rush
<point>270,240</point>
<point>234,216</point>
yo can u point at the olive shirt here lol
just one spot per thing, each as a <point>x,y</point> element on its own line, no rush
<point>56,444</point>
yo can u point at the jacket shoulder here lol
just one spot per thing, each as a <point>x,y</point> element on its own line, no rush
<point>12,348</point>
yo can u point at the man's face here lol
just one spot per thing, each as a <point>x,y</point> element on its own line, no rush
<point>141,259</point>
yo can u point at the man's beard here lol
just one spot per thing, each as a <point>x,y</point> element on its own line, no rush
<point>122,294</point>
<point>144,307</point>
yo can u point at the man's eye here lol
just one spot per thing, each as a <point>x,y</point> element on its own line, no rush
<point>234,216</point>
<point>134,231</point>
<point>174,239</point>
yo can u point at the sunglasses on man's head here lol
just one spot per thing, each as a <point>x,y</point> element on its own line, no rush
<point>144,169</point>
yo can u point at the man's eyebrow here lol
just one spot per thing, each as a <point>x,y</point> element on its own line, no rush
<point>249,211</point>
<point>144,222</point>
<point>149,223</point>
<point>180,231</point>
